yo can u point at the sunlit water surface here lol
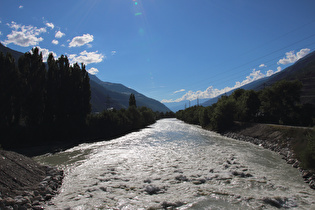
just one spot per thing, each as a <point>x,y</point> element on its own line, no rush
<point>173,164</point>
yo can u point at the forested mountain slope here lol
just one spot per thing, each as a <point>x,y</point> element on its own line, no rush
<point>303,70</point>
<point>106,95</point>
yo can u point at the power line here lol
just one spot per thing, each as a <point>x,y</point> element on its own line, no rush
<point>254,60</point>
<point>259,46</point>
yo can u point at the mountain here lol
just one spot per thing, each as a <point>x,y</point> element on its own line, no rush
<point>105,94</point>
<point>303,70</point>
<point>14,53</point>
<point>175,106</point>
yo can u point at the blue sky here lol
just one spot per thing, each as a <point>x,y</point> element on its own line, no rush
<point>169,50</point>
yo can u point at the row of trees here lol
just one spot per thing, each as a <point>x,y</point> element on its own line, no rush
<point>50,102</point>
<point>110,123</point>
<point>31,96</point>
<point>276,104</point>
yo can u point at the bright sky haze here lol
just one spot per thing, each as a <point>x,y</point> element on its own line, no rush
<point>169,50</point>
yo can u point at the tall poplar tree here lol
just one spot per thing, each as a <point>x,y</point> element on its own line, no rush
<point>9,91</point>
<point>132,100</point>
<point>33,79</point>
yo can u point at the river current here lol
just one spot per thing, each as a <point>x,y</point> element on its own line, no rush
<point>175,165</point>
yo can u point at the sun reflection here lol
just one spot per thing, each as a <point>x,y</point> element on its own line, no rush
<point>137,8</point>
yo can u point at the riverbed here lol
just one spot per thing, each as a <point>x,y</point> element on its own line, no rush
<point>175,165</point>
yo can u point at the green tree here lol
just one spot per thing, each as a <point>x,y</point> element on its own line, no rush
<point>33,76</point>
<point>132,100</point>
<point>52,87</point>
<point>135,117</point>
<point>148,115</point>
<point>223,114</point>
<point>247,105</point>
<point>68,92</point>
<point>9,91</point>
<point>279,104</point>
<point>238,93</point>
<point>204,116</point>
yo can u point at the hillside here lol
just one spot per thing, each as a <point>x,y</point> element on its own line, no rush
<point>14,53</point>
<point>303,70</point>
<point>105,94</point>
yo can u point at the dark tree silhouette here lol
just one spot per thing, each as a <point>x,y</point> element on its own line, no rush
<point>132,100</point>
<point>33,79</point>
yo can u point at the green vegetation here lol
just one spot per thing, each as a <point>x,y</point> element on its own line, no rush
<point>40,106</point>
<point>307,156</point>
<point>278,104</point>
<point>303,144</point>
<point>112,123</point>
<point>132,100</point>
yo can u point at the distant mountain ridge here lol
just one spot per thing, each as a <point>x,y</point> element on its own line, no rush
<point>14,53</point>
<point>303,70</point>
<point>106,95</point>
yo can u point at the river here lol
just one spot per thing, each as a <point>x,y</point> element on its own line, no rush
<point>175,165</point>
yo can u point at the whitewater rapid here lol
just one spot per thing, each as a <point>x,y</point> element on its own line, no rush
<point>175,165</point>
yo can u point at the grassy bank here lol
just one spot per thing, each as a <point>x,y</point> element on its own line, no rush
<point>301,140</point>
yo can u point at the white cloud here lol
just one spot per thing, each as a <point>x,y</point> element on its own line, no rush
<point>24,35</point>
<point>87,57</point>
<point>211,92</point>
<point>21,7</point>
<point>50,25</point>
<point>269,73</point>
<point>93,71</point>
<point>55,41</point>
<point>290,57</point>
<point>81,40</point>
<point>59,34</point>
<point>0,33</point>
<point>178,91</point>
<point>45,53</point>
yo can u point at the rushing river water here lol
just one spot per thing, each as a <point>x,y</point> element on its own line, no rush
<point>175,165</point>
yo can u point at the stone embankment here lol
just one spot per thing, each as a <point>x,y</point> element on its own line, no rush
<point>283,149</point>
<point>25,184</point>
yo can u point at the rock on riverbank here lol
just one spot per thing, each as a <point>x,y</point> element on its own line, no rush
<point>25,184</point>
<point>272,139</point>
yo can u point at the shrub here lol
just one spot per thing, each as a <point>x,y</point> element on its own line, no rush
<point>308,155</point>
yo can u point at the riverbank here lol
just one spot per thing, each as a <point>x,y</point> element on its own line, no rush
<point>25,184</point>
<point>288,141</point>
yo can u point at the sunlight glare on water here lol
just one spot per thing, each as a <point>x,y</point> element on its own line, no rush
<point>175,165</point>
